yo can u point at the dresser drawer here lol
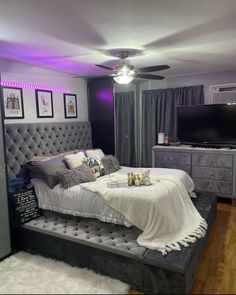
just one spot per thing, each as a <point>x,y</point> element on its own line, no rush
<point>223,161</point>
<point>213,186</point>
<point>185,168</point>
<point>173,158</point>
<point>222,174</point>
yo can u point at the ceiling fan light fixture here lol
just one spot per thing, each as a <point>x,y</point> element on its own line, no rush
<point>124,74</point>
<point>123,78</point>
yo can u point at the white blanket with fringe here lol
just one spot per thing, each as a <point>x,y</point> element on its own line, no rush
<point>163,211</point>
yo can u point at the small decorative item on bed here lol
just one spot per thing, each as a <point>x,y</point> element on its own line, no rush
<point>115,184</point>
<point>145,176</point>
<point>142,178</point>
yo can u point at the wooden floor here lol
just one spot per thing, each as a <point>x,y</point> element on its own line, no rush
<point>217,270</point>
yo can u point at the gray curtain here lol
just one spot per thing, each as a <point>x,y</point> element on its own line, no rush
<point>159,114</point>
<point>125,128</point>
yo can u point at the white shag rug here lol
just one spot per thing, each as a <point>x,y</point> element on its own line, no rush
<point>24,273</point>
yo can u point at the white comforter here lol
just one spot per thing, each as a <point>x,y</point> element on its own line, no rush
<point>163,211</point>
<point>77,201</point>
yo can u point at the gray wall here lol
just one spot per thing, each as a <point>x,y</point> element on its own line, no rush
<point>28,74</point>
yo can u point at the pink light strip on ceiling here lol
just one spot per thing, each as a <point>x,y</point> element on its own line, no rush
<point>30,86</point>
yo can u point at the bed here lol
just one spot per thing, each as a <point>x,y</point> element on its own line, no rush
<point>107,248</point>
<point>78,202</point>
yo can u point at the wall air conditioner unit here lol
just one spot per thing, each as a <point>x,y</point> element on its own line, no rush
<point>224,93</point>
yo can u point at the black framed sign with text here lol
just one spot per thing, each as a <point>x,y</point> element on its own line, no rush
<point>24,205</point>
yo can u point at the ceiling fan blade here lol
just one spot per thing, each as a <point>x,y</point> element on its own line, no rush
<point>93,77</point>
<point>104,67</point>
<point>153,68</point>
<point>149,76</point>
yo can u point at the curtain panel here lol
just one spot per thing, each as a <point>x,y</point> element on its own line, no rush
<point>159,114</point>
<point>125,128</point>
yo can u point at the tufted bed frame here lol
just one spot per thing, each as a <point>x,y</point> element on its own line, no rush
<point>24,141</point>
<point>106,248</point>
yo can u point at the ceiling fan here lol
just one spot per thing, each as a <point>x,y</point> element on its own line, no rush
<point>124,73</point>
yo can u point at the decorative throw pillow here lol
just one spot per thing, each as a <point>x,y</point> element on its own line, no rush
<point>75,160</point>
<point>81,174</point>
<point>46,169</point>
<point>44,158</point>
<point>98,153</point>
<point>40,158</point>
<point>95,165</point>
<point>110,164</point>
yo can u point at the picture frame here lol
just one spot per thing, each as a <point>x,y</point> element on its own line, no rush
<point>70,105</point>
<point>44,103</point>
<point>13,103</point>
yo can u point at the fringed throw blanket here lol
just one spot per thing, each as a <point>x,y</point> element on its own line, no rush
<point>163,211</point>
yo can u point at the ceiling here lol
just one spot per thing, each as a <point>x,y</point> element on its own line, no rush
<point>72,35</point>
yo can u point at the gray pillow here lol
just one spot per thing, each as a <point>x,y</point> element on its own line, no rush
<point>110,164</point>
<point>46,170</point>
<point>45,158</point>
<point>81,174</point>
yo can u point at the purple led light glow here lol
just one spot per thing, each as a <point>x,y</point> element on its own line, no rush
<point>30,86</point>
<point>105,95</point>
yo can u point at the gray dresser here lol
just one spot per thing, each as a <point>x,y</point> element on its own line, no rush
<point>212,170</point>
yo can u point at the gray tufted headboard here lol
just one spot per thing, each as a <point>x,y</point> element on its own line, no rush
<point>24,141</point>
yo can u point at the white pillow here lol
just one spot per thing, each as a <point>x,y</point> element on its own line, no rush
<point>75,160</point>
<point>98,153</point>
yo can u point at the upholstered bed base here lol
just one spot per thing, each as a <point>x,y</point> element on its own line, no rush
<point>112,250</point>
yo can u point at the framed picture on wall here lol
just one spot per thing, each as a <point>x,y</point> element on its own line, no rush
<point>70,105</point>
<point>13,103</point>
<point>44,103</point>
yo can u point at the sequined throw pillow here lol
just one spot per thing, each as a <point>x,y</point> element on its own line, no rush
<point>95,165</point>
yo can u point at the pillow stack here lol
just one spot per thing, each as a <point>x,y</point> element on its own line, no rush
<point>72,168</point>
<point>46,167</point>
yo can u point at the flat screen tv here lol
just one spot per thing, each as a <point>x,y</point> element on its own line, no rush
<point>207,125</point>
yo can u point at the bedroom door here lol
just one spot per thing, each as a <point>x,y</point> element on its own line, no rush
<point>5,244</point>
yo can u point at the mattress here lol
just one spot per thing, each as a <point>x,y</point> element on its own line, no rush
<point>77,201</point>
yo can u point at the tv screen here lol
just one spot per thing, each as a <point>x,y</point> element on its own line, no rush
<point>207,124</point>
